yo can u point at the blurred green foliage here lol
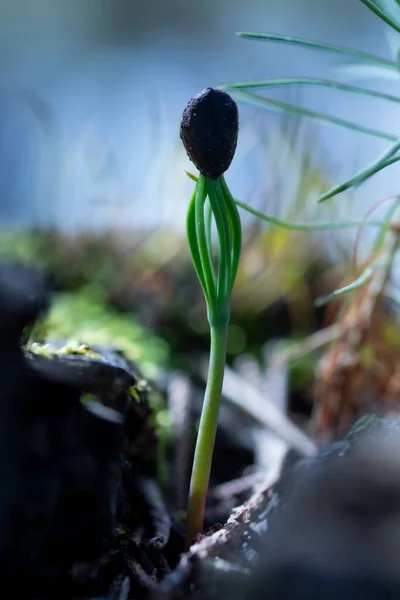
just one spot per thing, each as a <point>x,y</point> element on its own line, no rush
<point>138,291</point>
<point>84,318</point>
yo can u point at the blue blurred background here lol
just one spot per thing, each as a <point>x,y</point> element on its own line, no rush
<point>92,92</point>
<point>94,190</point>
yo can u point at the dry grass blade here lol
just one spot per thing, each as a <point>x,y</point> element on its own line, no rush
<point>360,372</point>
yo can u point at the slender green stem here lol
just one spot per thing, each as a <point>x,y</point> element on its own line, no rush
<point>236,228</point>
<point>382,14</point>
<point>354,285</point>
<point>224,272</point>
<point>309,82</point>
<point>284,39</point>
<point>316,226</point>
<point>201,233</point>
<point>193,244</point>
<point>299,111</point>
<point>381,163</point>
<point>217,287</point>
<point>208,222</point>
<point>206,434</point>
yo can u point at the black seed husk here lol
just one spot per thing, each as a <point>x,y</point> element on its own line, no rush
<point>209,131</point>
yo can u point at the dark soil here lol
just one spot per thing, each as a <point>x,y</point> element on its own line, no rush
<point>80,503</point>
<point>83,515</point>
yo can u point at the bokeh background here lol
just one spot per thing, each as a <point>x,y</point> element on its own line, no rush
<point>92,171</point>
<point>92,92</point>
<point>94,192</point>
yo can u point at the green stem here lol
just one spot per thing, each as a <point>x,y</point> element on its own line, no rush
<point>236,228</point>
<point>206,434</point>
<point>203,249</point>
<point>224,268</point>
<point>208,221</point>
<point>194,245</point>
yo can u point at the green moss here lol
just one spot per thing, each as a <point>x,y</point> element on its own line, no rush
<point>83,320</point>
<point>27,247</point>
<point>49,350</point>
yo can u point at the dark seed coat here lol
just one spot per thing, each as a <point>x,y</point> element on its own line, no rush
<point>209,131</point>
